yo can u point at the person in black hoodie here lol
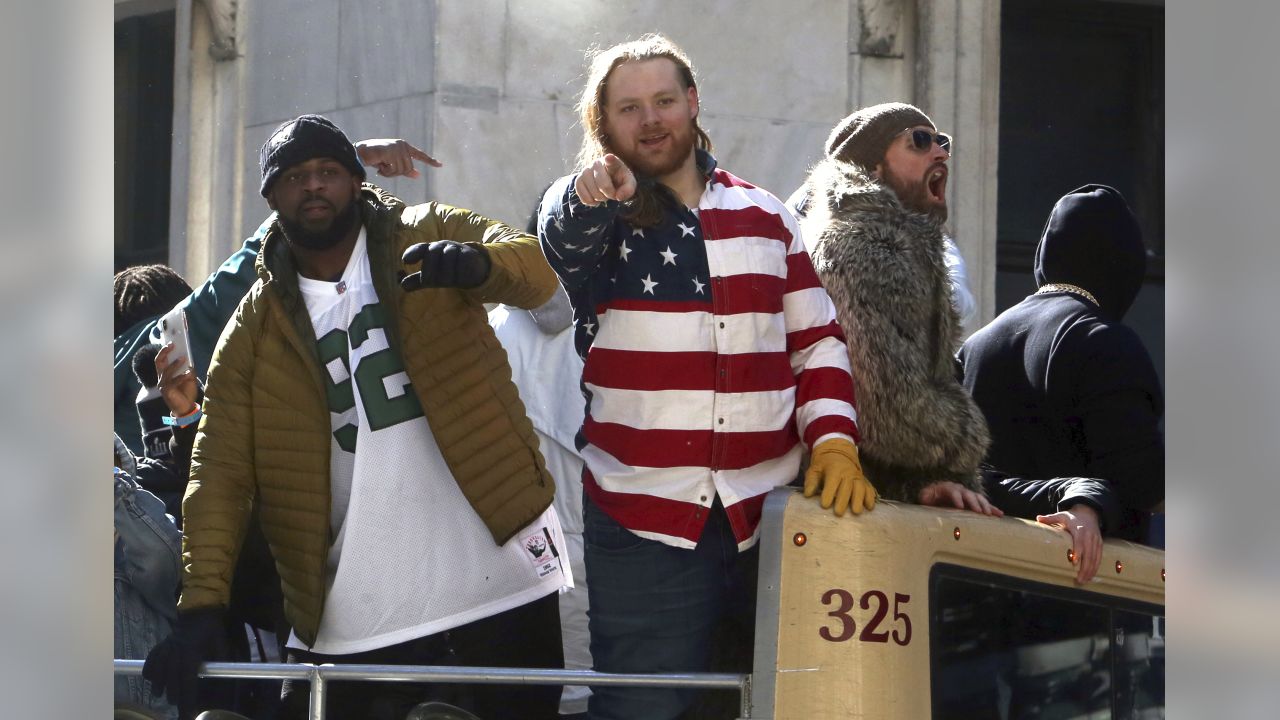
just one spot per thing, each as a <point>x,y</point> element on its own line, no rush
<point>1066,388</point>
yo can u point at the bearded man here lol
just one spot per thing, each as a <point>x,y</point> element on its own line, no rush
<point>360,396</point>
<point>875,230</point>
<point>713,365</point>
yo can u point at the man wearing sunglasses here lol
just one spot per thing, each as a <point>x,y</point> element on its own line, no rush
<point>966,304</point>
<point>874,227</point>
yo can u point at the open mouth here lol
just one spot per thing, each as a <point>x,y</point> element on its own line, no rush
<point>653,140</point>
<point>936,181</point>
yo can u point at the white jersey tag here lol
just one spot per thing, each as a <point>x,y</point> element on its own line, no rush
<point>542,552</point>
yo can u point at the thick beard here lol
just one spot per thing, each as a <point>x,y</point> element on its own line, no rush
<point>321,239</point>
<point>681,148</point>
<point>914,195</point>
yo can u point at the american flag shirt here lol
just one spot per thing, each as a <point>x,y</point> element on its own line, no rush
<point>712,355</point>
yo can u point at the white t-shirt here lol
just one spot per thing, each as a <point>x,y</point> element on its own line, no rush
<point>547,372</point>
<point>410,556</point>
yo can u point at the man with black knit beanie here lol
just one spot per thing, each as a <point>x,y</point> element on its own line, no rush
<point>1067,389</point>
<point>210,304</point>
<point>359,394</point>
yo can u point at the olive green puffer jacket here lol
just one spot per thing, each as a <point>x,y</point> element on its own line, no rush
<point>266,427</point>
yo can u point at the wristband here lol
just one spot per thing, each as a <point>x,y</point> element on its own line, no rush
<point>183,421</point>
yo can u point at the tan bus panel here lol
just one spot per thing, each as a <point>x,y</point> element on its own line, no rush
<point>843,617</point>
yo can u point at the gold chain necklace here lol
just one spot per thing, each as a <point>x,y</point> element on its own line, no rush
<point>1068,288</point>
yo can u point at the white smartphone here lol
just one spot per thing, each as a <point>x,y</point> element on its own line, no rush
<point>173,329</point>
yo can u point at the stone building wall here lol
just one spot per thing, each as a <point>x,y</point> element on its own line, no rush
<point>488,87</point>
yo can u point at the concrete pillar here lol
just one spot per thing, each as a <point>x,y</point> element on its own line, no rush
<point>208,129</point>
<point>881,45</point>
<point>957,82</point>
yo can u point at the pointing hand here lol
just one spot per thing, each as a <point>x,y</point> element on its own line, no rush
<point>608,178</point>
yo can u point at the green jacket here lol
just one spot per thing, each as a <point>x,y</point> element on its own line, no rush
<point>266,425</point>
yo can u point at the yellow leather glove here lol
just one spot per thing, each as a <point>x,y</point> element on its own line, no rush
<point>835,464</point>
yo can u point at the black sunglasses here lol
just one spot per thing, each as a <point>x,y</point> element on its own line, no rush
<point>923,140</point>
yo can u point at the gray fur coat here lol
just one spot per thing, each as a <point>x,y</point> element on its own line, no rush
<point>883,267</point>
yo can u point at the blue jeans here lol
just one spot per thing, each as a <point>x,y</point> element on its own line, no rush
<point>147,572</point>
<point>656,608</point>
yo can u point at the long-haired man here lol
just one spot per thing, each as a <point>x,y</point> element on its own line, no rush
<point>713,366</point>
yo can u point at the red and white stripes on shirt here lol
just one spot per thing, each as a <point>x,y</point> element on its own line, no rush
<point>712,355</point>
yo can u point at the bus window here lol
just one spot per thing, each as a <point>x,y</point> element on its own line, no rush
<point>1008,648</point>
<point>1139,669</point>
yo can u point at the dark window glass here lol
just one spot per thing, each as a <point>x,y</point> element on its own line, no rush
<point>1081,101</point>
<point>1139,670</point>
<point>143,137</point>
<point>1004,648</point>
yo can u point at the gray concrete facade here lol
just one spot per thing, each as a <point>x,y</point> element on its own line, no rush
<point>488,87</point>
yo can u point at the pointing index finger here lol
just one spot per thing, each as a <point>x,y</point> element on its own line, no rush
<point>604,180</point>
<point>420,155</point>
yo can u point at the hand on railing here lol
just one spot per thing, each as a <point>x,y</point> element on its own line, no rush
<point>945,493</point>
<point>1081,522</point>
<point>173,665</point>
<point>835,469</point>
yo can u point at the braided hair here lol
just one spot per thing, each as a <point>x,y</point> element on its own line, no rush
<point>143,291</point>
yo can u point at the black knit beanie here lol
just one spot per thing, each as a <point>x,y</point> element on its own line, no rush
<point>302,139</point>
<point>863,137</point>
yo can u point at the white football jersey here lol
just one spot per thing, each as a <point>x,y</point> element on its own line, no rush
<point>410,556</point>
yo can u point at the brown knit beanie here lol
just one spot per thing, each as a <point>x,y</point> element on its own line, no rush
<point>863,137</point>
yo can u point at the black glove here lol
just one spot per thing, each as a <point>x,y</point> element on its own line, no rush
<point>446,264</point>
<point>172,665</point>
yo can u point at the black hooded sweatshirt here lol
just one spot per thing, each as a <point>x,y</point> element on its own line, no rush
<point>1066,389</point>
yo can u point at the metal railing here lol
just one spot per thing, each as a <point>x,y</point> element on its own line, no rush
<point>320,675</point>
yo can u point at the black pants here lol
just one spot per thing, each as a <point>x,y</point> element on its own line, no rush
<point>526,636</point>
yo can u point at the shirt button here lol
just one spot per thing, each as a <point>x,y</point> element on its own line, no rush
<point>720,421</point>
<point>721,326</point>
<point>704,498</point>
